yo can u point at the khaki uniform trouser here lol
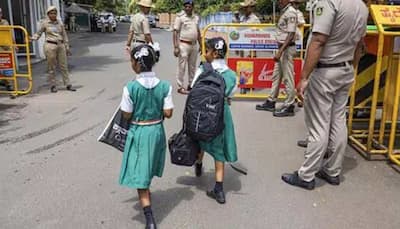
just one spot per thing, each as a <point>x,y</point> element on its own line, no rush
<point>188,56</point>
<point>56,54</point>
<point>136,44</point>
<point>284,70</point>
<point>72,26</point>
<point>325,102</point>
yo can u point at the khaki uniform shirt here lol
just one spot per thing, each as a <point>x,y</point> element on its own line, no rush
<point>187,26</point>
<point>140,26</point>
<point>251,19</point>
<point>4,22</point>
<point>300,18</point>
<point>345,22</point>
<point>300,22</point>
<point>53,30</point>
<point>287,23</point>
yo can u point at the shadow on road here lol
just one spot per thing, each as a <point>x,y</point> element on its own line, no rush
<point>232,181</point>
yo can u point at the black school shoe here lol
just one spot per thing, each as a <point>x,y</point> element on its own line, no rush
<point>219,196</point>
<point>266,106</point>
<point>198,169</point>
<point>331,180</point>
<point>150,224</point>
<point>285,111</point>
<point>295,180</point>
<point>69,88</point>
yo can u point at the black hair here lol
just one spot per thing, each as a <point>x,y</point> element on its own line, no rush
<point>217,44</point>
<point>146,56</point>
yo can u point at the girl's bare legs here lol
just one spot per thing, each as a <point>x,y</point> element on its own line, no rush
<point>219,171</point>
<point>145,201</point>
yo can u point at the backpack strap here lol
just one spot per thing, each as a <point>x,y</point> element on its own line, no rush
<point>208,67</point>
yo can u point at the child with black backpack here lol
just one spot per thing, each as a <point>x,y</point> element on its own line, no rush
<point>146,102</point>
<point>222,147</point>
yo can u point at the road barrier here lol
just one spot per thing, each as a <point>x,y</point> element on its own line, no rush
<point>254,71</point>
<point>8,67</point>
<point>377,88</point>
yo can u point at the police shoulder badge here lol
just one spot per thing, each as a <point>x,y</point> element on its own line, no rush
<point>319,11</point>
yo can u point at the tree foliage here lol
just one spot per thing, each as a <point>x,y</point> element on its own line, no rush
<point>202,7</point>
<point>205,7</point>
<point>117,6</point>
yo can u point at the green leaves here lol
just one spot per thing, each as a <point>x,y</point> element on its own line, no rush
<point>202,7</point>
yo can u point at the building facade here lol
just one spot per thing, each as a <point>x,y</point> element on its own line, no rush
<point>28,13</point>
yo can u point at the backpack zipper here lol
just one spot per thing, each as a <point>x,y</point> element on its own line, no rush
<point>198,121</point>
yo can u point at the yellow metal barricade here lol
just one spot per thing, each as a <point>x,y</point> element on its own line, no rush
<point>253,90</point>
<point>8,60</point>
<point>378,138</point>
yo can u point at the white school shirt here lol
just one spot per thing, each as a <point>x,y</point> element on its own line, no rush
<point>147,80</point>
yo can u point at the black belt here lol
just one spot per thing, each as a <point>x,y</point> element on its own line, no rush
<point>289,45</point>
<point>337,65</point>
<point>188,42</point>
<point>139,41</point>
<point>54,42</point>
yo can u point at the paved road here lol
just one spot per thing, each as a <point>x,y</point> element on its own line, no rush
<point>53,173</point>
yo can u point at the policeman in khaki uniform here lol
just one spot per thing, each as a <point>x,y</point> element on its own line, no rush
<point>185,37</point>
<point>328,73</point>
<point>56,48</point>
<point>139,32</point>
<point>284,69</point>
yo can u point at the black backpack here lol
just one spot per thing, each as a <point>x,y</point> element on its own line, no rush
<point>204,110</point>
<point>183,149</point>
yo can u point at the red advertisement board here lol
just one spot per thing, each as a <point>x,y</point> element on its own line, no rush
<point>257,72</point>
<point>6,61</point>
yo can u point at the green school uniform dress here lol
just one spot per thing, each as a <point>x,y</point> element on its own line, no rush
<point>144,153</point>
<point>223,147</point>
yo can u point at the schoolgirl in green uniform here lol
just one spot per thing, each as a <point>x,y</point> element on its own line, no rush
<point>223,147</point>
<point>146,101</point>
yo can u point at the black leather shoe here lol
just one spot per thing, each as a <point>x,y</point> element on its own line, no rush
<point>302,143</point>
<point>69,88</point>
<point>218,196</point>
<point>9,87</point>
<point>266,106</point>
<point>198,169</point>
<point>150,224</point>
<point>285,111</point>
<point>331,180</point>
<point>295,180</point>
<point>53,89</point>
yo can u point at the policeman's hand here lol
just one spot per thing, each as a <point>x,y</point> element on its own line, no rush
<point>176,51</point>
<point>278,56</point>
<point>301,88</point>
<point>128,48</point>
<point>69,53</point>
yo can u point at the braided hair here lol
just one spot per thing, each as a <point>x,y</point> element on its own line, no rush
<point>217,44</point>
<point>146,56</point>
